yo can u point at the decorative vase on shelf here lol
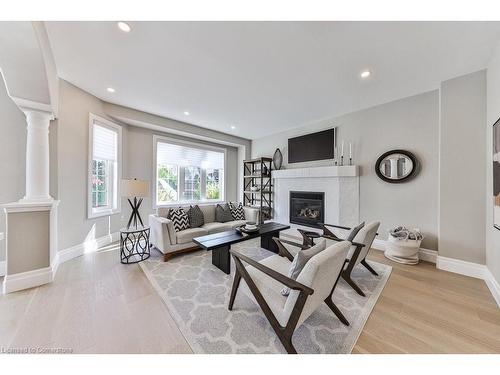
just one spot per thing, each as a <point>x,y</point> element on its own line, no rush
<point>277,159</point>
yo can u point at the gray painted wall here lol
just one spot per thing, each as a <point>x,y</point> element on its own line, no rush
<point>411,123</point>
<point>12,156</point>
<point>462,208</point>
<point>72,159</point>
<point>72,139</point>
<point>493,114</point>
<point>28,231</point>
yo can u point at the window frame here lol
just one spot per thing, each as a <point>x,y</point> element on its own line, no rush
<point>116,173</point>
<point>159,138</point>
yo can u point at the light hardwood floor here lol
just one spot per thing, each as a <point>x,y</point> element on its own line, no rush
<point>97,305</point>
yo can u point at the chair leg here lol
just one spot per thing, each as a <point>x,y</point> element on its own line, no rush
<point>353,284</point>
<point>336,311</point>
<point>234,289</point>
<point>368,267</point>
<point>287,343</point>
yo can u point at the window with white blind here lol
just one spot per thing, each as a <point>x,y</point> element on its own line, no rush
<point>188,172</point>
<point>105,140</point>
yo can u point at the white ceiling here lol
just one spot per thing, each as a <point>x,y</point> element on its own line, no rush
<point>265,77</point>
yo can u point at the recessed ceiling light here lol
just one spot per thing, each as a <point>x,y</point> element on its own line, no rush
<point>186,113</point>
<point>365,74</point>
<point>123,26</point>
<point>110,89</point>
<point>233,127</point>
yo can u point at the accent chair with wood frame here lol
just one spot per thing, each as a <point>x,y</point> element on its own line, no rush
<point>358,251</point>
<point>315,284</point>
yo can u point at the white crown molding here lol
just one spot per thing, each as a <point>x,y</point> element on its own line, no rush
<point>3,267</point>
<point>25,280</point>
<point>25,205</point>
<point>423,254</point>
<point>26,105</point>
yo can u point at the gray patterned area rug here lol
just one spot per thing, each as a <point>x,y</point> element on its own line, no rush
<point>197,293</point>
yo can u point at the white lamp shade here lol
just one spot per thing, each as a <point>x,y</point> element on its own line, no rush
<point>135,188</point>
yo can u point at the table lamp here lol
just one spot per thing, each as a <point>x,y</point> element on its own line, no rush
<point>134,189</point>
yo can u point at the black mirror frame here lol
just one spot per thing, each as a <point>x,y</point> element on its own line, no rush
<point>412,174</point>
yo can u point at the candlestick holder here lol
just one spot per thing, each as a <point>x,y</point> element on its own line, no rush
<point>342,160</point>
<point>350,161</point>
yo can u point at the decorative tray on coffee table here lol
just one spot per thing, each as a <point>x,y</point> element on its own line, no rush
<point>242,229</point>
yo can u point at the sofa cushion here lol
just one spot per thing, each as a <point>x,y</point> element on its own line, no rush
<point>196,218</point>
<point>187,235</point>
<point>237,211</point>
<point>223,213</point>
<point>216,227</point>
<point>208,212</point>
<point>163,212</point>
<point>179,218</point>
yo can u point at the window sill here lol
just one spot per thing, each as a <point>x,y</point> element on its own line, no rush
<point>97,214</point>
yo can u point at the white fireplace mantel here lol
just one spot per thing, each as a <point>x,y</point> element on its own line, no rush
<point>340,184</point>
<point>317,172</point>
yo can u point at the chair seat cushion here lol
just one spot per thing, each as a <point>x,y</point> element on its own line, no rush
<point>187,235</point>
<point>216,227</point>
<point>269,288</point>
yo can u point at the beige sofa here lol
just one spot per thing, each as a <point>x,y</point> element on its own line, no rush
<point>169,242</point>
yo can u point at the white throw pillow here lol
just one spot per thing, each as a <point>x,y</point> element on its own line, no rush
<point>300,260</point>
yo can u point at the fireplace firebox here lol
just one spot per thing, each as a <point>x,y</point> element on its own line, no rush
<point>307,208</point>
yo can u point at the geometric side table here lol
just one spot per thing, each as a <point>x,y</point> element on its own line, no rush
<point>134,245</point>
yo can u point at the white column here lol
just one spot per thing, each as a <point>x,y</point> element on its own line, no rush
<point>37,156</point>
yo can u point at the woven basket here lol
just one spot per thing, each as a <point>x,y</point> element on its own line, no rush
<point>402,251</point>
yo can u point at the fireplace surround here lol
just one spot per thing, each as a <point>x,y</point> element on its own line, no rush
<point>307,208</point>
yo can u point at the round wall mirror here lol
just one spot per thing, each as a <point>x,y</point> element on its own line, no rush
<point>396,166</point>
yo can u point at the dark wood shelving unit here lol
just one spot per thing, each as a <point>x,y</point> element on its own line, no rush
<point>257,172</point>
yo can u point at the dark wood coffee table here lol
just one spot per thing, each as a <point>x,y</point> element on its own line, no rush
<point>220,243</point>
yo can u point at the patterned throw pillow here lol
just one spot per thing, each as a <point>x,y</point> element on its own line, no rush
<point>237,211</point>
<point>355,231</point>
<point>179,218</point>
<point>300,260</point>
<point>195,215</point>
<point>223,213</point>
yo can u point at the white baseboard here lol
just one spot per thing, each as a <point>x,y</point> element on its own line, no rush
<point>424,254</point>
<point>83,248</point>
<point>479,271</point>
<point>25,280</point>
<point>3,267</point>
<point>493,285</point>
<point>462,267</point>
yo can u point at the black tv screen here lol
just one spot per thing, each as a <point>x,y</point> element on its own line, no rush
<point>310,147</point>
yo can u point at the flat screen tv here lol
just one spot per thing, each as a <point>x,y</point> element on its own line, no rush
<point>310,147</point>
